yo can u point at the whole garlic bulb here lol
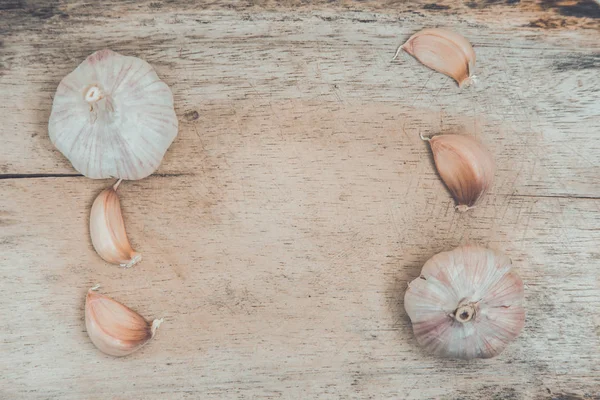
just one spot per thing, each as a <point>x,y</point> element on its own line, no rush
<point>112,117</point>
<point>467,303</point>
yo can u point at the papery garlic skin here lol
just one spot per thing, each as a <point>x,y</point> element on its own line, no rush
<point>114,328</point>
<point>107,230</point>
<point>112,117</point>
<point>467,303</point>
<point>466,167</point>
<point>444,51</point>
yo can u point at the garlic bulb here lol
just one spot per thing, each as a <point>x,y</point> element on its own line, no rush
<point>467,303</point>
<point>112,117</point>
<point>465,165</point>
<point>114,328</point>
<point>107,230</point>
<point>444,51</point>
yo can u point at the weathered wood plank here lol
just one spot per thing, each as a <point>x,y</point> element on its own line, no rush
<point>537,93</point>
<point>298,200</point>
<point>286,279</point>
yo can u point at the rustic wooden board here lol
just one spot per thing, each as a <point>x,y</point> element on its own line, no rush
<point>297,201</point>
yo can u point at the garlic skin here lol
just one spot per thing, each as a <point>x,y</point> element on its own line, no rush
<point>112,117</point>
<point>115,329</point>
<point>466,167</point>
<point>444,51</point>
<point>107,230</point>
<point>467,303</point>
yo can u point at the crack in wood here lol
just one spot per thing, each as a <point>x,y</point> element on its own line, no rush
<point>30,176</point>
<point>555,196</point>
<point>33,176</point>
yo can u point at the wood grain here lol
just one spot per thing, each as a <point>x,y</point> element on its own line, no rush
<point>297,201</point>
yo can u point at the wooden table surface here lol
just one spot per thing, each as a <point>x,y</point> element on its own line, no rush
<point>297,201</point>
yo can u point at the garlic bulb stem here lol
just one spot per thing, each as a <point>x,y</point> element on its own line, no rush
<point>465,313</point>
<point>93,94</point>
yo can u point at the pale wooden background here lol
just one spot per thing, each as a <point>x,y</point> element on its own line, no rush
<point>297,201</point>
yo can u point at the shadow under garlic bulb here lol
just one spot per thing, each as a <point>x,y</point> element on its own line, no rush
<point>467,303</point>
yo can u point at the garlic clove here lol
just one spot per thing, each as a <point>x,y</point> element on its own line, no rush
<point>467,303</point>
<point>466,167</point>
<point>444,51</point>
<point>107,230</point>
<point>113,117</point>
<point>114,328</point>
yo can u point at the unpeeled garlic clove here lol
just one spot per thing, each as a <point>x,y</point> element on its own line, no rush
<point>114,328</point>
<point>444,51</point>
<point>107,230</point>
<point>467,303</point>
<point>465,165</point>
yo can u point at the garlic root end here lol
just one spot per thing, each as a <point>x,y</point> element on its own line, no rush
<point>471,80</point>
<point>155,325</point>
<point>137,257</point>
